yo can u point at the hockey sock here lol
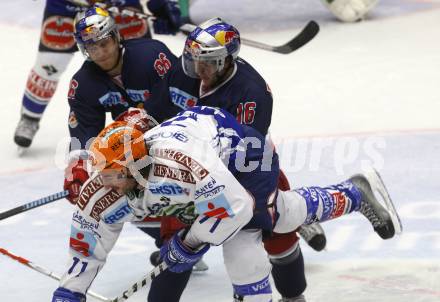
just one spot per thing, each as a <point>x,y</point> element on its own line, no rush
<point>42,82</point>
<point>330,202</point>
<point>168,286</point>
<point>288,274</point>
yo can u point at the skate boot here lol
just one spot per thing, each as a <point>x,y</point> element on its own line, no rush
<point>300,298</point>
<point>198,267</point>
<point>314,235</point>
<point>383,216</point>
<point>25,131</point>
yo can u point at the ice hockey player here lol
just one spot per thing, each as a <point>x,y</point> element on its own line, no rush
<point>116,75</point>
<point>350,10</point>
<point>225,180</point>
<point>211,73</point>
<point>57,45</point>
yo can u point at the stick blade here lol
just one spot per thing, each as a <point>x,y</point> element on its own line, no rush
<point>304,37</point>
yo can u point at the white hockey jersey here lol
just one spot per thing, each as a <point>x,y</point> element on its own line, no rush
<point>188,178</point>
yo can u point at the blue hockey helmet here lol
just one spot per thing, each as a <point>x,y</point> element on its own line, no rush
<point>92,25</point>
<point>211,42</point>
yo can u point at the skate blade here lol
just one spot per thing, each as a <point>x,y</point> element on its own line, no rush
<point>200,266</point>
<point>379,186</point>
<point>21,151</point>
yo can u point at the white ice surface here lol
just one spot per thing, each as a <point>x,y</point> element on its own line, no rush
<point>358,94</point>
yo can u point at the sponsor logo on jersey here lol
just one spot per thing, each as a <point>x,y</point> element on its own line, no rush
<point>50,69</point>
<point>104,203</point>
<point>341,202</point>
<point>180,136</point>
<point>217,208</point>
<point>117,214</point>
<point>209,190</point>
<point>138,95</point>
<point>310,193</point>
<point>162,64</point>
<point>39,87</point>
<point>72,89</point>
<point>57,33</point>
<point>167,189</point>
<point>182,99</point>
<point>173,173</point>
<point>113,98</point>
<point>327,204</point>
<point>73,122</point>
<point>197,169</point>
<point>84,224</point>
<point>131,27</point>
<point>261,287</point>
<point>88,191</point>
<point>82,242</point>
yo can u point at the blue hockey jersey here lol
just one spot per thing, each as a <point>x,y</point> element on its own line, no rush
<point>70,8</point>
<point>245,95</point>
<point>92,92</point>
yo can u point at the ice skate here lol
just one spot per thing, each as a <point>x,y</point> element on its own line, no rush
<point>299,298</point>
<point>382,215</point>
<point>25,132</point>
<point>314,235</point>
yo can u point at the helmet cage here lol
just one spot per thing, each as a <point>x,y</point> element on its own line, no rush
<point>211,42</point>
<point>193,54</point>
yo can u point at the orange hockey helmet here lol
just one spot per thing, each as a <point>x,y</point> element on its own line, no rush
<point>116,146</point>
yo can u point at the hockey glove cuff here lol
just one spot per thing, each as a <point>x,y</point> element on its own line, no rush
<point>178,256</point>
<point>65,295</point>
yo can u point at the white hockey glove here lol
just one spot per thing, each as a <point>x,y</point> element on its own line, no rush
<point>350,10</point>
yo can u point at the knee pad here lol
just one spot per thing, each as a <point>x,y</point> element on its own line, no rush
<point>43,80</point>
<point>245,258</point>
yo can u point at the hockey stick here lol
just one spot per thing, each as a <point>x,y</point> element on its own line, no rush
<point>161,267</point>
<point>34,204</point>
<point>304,37</point>
<point>47,272</point>
<point>301,39</point>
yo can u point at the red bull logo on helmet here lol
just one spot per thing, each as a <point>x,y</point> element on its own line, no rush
<point>101,12</point>
<point>192,47</point>
<point>225,37</point>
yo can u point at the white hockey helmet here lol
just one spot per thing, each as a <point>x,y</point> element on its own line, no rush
<point>212,41</point>
<point>92,25</point>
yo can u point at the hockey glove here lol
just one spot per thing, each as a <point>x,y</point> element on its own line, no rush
<point>64,295</point>
<point>168,17</point>
<point>136,117</point>
<point>75,176</point>
<point>178,256</point>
